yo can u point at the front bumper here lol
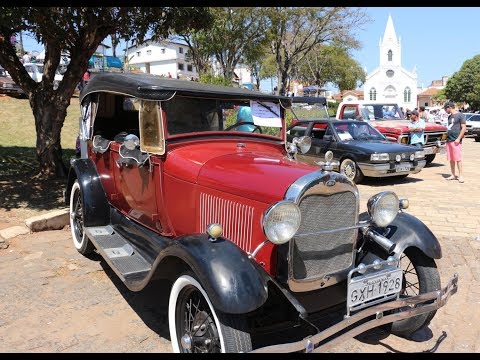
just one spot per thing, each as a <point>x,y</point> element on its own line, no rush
<point>388,169</point>
<point>435,149</point>
<point>11,91</point>
<point>407,307</point>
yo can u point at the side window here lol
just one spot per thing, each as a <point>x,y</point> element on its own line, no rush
<point>151,128</point>
<point>349,112</point>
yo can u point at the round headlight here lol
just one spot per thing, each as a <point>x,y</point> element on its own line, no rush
<point>383,208</point>
<point>281,221</point>
<point>398,158</point>
<point>412,157</point>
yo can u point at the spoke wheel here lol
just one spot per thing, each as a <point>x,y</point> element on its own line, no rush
<point>349,168</point>
<point>195,326</point>
<point>80,240</point>
<point>420,275</point>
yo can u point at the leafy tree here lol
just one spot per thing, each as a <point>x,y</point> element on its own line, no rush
<point>464,85</point>
<point>79,31</point>
<point>296,31</point>
<point>209,78</point>
<point>439,97</point>
<point>234,34</point>
<point>330,63</point>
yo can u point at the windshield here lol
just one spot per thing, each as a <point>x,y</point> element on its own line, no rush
<point>304,111</point>
<point>192,115</point>
<point>381,111</point>
<point>356,131</point>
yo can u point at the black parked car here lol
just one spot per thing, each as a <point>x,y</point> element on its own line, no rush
<point>358,148</point>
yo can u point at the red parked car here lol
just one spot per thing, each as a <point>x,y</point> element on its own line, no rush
<point>390,120</point>
<point>259,247</point>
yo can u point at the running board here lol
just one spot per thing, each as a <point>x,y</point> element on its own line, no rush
<point>118,252</point>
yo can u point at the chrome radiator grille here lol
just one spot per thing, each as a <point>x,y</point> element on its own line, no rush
<point>314,256</point>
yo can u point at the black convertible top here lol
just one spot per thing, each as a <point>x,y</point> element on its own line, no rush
<point>152,87</point>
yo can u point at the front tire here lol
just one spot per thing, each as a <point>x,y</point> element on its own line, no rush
<point>477,138</point>
<point>430,158</point>
<point>80,240</point>
<point>196,327</point>
<point>420,276</point>
<point>349,168</point>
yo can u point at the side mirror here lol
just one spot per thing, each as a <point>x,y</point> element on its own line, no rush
<point>328,137</point>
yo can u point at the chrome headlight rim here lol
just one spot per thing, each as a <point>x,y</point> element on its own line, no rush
<point>383,214</point>
<point>268,224</point>
<point>381,157</point>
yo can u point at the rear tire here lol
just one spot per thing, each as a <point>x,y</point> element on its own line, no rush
<point>197,327</point>
<point>80,239</point>
<point>349,168</point>
<point>420,276</point>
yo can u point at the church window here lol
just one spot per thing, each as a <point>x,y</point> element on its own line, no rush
<point>390,73</point>
<point>390,55</point>
<point>373,94</point>
<point>407,95</point>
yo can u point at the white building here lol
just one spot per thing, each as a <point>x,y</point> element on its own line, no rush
<point>162,58</point>
<point>390,82</point>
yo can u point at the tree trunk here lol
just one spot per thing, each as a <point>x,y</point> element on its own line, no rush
<point>49,110</point>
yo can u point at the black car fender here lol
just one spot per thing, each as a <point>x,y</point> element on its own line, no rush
<point>406,231</point>
<point>233,281</point>
<point>96,209</point>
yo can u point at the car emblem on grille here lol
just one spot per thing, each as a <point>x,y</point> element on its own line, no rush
<point>330,182</point>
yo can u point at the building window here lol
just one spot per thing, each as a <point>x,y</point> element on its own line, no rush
<point>189,67</point>
<point>162,50</point>
<point>390,73</point>
<point>180,66</point>
<point>373,94</point>
<point>180,50</point>
<point>149,52</point>
<point>407,95</point>
<point>390,55</point>
<point>138,53</point>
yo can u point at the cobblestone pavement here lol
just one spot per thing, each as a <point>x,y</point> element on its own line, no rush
<point>52,299</point>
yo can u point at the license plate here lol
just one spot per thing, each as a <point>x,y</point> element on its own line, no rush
<point>365,288</point>
<point>428,150</point>
<point>401,168</point>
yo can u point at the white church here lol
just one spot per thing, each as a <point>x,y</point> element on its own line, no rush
<point>390,82</point>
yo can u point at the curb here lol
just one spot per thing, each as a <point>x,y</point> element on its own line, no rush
<point>54,220</point>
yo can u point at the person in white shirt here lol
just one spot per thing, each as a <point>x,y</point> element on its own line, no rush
<point>26,57</point>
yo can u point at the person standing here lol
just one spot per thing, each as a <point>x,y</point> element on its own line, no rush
<point>416,127</point>
<point>26,57</point>
<point>456,128</point>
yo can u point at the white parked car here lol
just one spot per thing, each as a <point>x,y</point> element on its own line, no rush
<point>472,121</point>
<point>35,70</point>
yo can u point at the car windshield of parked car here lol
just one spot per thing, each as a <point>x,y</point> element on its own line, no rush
<point>189,115</point>
<point>304,111</point>
<point>382,112</point>
<point>356,131</point>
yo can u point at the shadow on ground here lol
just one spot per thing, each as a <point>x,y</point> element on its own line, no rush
<point>150,304</point>
<point>19,188</point>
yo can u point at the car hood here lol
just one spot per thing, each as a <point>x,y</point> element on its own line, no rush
<point>379,146</point>
<point>402,125</point>
<point>262,174</point>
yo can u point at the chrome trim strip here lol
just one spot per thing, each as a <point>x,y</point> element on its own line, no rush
<point>439,297</point>
<point>358,226</point>
<point>236,219</point>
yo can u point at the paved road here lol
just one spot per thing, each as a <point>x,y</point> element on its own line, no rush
<point>54,300</point>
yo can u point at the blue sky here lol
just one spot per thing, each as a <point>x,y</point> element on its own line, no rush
<point>437,40</point>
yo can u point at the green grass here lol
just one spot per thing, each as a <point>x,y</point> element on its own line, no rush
<point>17,125</point>
<point>21,194</point>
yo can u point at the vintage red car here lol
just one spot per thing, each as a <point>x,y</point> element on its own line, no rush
<point>389,119</point>
<point>196,183</point>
